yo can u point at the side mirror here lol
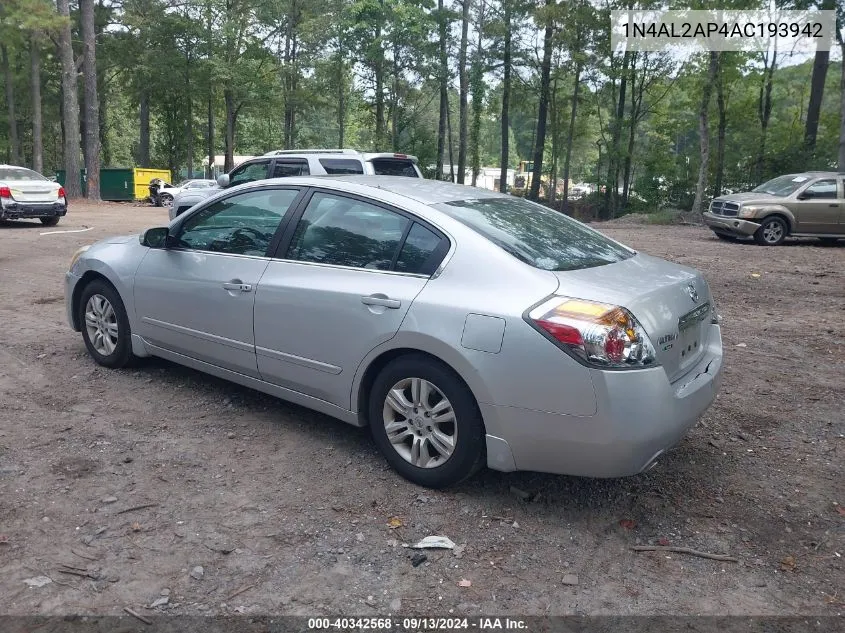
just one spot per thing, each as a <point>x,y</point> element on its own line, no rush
<point>223,180</point>
<point>805,195</point>
<point>156,237</point>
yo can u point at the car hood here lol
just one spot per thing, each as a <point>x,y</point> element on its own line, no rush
<point>657,293</point>
<point>120,239</point>
<point>749,197</point>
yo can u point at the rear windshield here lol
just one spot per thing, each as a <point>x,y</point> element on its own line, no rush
<point>19,173</point>
<point>342,166</point>
<point>394,167</point>
<point>535,234</point>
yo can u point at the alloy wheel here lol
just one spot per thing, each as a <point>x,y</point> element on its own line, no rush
<point>101,324</point>
<point>420,422</point>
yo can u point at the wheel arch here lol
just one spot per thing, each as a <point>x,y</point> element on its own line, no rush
<point>377,359</point>
<point>782,213</point>
<point>79,288</point>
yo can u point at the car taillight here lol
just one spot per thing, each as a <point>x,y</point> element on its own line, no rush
<point>62,192</point>
<point>598,334</point>
<point>400,156</point>
<point>5,192</point>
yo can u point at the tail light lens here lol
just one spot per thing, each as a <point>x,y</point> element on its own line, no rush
<point>62,192</point>
<point>5,192</point>
<point>598,334</point>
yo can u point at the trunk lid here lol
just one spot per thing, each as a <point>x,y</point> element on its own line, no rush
<point>33,190</point>
<point>672,303</point>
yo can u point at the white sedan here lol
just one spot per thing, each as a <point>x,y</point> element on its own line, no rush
<point>27,194</point>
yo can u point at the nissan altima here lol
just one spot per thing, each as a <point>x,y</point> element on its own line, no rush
<point>464,327</point>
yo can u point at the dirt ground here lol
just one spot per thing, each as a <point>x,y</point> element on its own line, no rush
<point>117,485</point>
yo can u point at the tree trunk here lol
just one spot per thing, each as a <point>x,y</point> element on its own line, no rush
<point>704,132</point>
<point>341,100</point>
<point>477,84</point>
<point>70,105</point>
<point>820,64</point>
<point>506,96</point>
<point>611,193</point>
<point>555,157</point>
<point>379,71</point>
<point>144,128</point>
<point>189,114</point>
<point>443,74</point>
<point>92,102</point>
<point>542,108</point>
<point>723,126</point>
<point>394,100</point>
<point>463,124</point>
<point>229,138</point>
<point>567,159</point>
<point>841,160</point>
<point>287,140</point>
<point>764,112</point>
<point>35,89</point>
<point>210,134</point>
<point>14,142</point>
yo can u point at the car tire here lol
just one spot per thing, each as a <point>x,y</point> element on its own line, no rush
<point>725,237</point>
<point>50,221</point>
<point>105,325</point>
<point>772,231</point>
<point>403,432</point>
<point>165,200</point>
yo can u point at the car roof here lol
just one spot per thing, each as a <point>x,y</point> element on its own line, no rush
<point>419,189</point>
<point>338,153</point>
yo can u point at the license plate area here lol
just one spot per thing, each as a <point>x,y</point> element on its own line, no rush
<point>689,333</point>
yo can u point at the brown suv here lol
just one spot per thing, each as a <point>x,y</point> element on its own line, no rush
<point>811,204</point>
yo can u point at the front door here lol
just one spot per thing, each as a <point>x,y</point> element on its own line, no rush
<point>342,287</point>
<point>197,298</point>
<point>817,208</point>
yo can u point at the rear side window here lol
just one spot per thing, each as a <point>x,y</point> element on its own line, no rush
<point>286,168</point>
<point>535,234</point>
<point>394,167</point>
<point>342,166</point>
<point>421,252</point>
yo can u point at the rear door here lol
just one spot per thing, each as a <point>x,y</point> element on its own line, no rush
<point>345,277</point>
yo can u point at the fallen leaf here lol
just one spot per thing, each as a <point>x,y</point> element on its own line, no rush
<point>136,527</point>
<point>628,524</point>
<point>755,275</point>
<point>394,522</point>
<point>4,540</point>
<point>464,583</point>
<point>663,542</point>
<point>839,509</point>
<point>787,564</point>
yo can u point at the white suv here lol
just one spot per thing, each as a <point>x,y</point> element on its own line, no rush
<point>308,162</point>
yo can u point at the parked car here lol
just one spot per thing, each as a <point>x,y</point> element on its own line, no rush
<point>463,326</point>
<point>313,162</point>
<point>25,193</point>
<point>811,204</point>
<point>165,192</point>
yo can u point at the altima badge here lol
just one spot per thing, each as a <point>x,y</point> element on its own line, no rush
<point>693,293</point>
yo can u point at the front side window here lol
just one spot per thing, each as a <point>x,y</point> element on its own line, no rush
<point>536,235</point>
<point>249,173</point>
<point>287,168</point>
<point>347,232</point>
<point>243,224</point>
<point>822,189</point>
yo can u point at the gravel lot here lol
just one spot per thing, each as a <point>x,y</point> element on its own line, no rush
<point>119,485</point>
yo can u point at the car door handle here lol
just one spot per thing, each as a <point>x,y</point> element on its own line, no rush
<point>236,286</point>
<point>833,204</point>
<point>381,300</point>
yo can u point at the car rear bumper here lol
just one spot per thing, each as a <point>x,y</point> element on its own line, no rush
<point>730,226</point>
<point>13,210</point>
<point>640,416</point>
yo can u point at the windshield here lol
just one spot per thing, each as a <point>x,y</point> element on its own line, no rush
<point>535,234</point>
<point>782,186</point>
<point>19,173</point>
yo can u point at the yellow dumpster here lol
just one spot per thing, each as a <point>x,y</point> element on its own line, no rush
<point>142,178</point>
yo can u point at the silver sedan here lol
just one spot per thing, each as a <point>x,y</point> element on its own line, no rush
<point>464,327</point>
